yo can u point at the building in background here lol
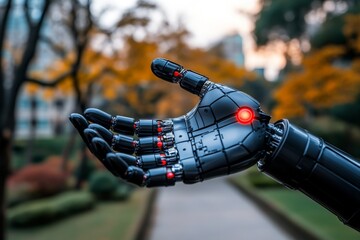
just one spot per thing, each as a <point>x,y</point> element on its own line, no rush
<point>260,71</point>
<point>231,48</point>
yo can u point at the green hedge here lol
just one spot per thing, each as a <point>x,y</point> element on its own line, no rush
<point>107,187</point>
<point>260,180</point>
<point>42,148</point>
<point>51,209</point>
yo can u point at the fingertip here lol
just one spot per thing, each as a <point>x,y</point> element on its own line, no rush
<point>103,132</point>
<point>78,121</point>
<point>90,110</point>
<point>101,147</point>
<point>129,159</point>
<point>111,155</point>
<point>90,134</point>
<point>165,69</point>
<point>73,115</point>
<point>97,116</point>
<point>98,140</point>
<point>119,165</point>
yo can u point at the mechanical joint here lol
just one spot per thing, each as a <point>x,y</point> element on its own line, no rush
<point>164,126</point>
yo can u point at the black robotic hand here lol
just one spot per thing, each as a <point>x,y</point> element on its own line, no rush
<point>223,134</point>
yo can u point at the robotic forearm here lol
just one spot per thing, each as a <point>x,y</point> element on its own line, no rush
<point>304,162</point>
<point>225,133</point>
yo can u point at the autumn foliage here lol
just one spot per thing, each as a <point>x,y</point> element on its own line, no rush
<point>321,84</point>
<point>327,78</point>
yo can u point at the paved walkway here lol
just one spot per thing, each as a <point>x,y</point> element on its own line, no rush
<point>209,210</point>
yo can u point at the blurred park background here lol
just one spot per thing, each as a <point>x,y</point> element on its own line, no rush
<point>300,59</point>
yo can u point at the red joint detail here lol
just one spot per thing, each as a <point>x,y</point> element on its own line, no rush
<point>134,143</point>
<point>177,74</point>
<point>134,125</point>
<point>159,144</point>
<point>163,162</point>
<point>159,129</point>
<point>170,175</point>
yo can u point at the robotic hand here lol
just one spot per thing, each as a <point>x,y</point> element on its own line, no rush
<point>225,133</point>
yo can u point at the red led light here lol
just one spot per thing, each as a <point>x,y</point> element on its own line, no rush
<point>245,115</point>
<point>177,74</point>
<point>170,175</point>
<point>159,144</point>
<point>163,162</point>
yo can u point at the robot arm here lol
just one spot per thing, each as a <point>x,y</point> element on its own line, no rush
<point>304,162</point>
<point>225,133</point>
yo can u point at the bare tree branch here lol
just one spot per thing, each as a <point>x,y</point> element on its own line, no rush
<point>56,48</point>
<point>27,14</point>
<point>34,33</point>
<point>53,83</point>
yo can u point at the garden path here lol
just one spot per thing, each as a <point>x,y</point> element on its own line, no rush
<point>210,210</point>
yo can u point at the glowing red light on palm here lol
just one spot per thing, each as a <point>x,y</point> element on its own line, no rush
<point>245,115</point>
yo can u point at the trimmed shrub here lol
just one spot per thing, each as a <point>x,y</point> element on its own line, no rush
<point>107,187</point>
<point>35,181</point>
<point>18,194</point>
<point>44,179</point>
<point>103,185</point>
<point>56,162</point>
<point>122,192</point>
<point>49,210</point>
<point>49,146</point>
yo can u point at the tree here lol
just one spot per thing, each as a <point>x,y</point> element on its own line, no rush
<point>87,64</point>
<point>9,96</point>
<point>320,86</point>
<point>331,31</point>
<point>327,79</point>
<point>287,20</point>
<point>292,23</point>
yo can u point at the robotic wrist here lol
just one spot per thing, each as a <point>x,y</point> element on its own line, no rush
<point>302,161</point>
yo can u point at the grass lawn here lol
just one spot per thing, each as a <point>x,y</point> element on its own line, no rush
<point>109,220</point>
<point>303,211</point>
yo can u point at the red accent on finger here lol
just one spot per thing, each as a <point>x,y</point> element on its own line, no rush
<point>159,144</point>
<point>170,175</point>
<point>177,74</point>
<point>163,162</point>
